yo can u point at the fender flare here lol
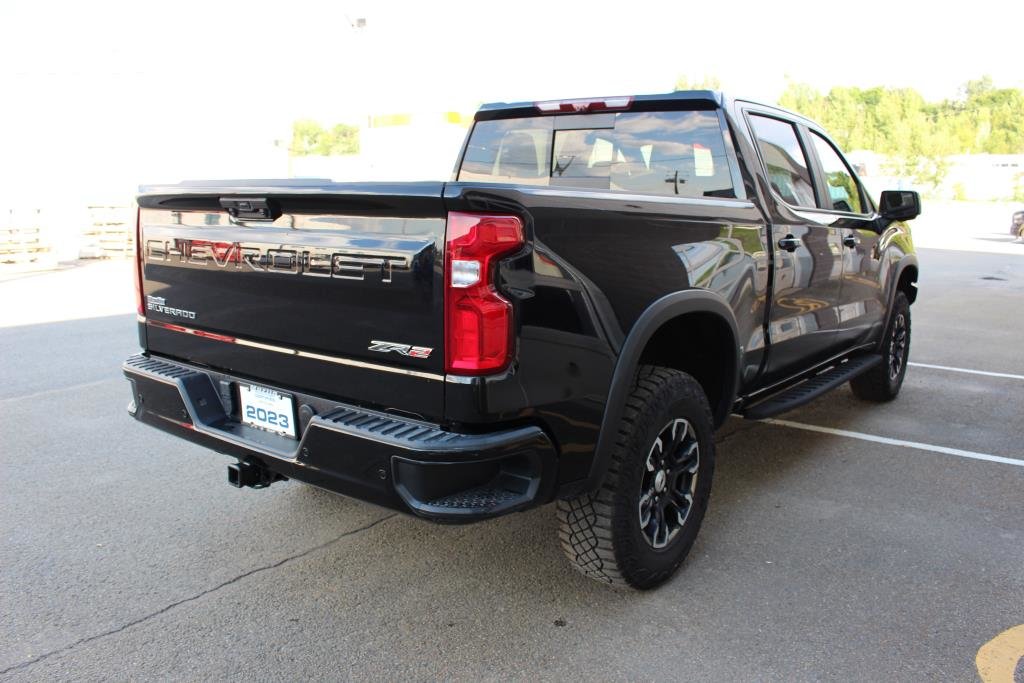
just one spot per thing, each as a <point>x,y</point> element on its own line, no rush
<point>657,314</point>
<point>906,261</point>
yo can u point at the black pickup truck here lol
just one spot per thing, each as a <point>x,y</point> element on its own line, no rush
<point>602,284</point>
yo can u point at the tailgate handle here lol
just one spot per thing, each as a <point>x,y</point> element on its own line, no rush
<point>250,208</point>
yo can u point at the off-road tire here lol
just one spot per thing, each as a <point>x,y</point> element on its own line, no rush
<point>601,532</point>
<point>879,384</point>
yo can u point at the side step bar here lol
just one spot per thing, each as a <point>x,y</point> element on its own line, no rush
<point>810,389</point>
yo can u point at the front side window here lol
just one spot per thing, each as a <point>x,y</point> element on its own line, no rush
<point>674,153</point>
<point>842,188</point>
<point>785,161</point>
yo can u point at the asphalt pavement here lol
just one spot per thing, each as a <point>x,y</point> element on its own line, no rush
<point>893,550</point>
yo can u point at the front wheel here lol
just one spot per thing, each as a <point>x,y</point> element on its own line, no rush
<point>640,524</point>
<point>883,382</point>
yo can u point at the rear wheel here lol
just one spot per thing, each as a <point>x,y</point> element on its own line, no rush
<point>639,525</point>
<point>883,382</point>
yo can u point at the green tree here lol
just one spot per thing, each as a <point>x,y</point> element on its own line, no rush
<point>977,88</point>
<point>898,121</point>
<point>999,117</point>
<point>309,137</point>
<point>1018,188</point>
<point>705,83</point>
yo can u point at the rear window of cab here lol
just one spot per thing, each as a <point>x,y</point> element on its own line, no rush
<point>673,153</point>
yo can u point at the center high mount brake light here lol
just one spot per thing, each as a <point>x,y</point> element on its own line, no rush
<point>584,105</point>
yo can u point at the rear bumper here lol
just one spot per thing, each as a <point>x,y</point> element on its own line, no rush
<point>396,462</point>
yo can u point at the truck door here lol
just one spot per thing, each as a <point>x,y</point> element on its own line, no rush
<point>862,294</point>
<point>803,319</point>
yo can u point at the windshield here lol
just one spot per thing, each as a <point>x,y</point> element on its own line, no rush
<point>675,153</point>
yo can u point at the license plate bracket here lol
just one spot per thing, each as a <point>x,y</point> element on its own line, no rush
<point>267,409</point>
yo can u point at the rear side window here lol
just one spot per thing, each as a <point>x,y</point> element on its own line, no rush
<point>674,153</point>
<point>785,161</point>
<point>842,188</point>
<point>510,150</point>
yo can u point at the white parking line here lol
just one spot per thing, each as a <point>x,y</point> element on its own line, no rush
<point>970,372</point>
<point>898,442</point>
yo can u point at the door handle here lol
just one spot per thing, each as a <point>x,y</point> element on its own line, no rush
<point>850,241</point>
<point>789,243</point>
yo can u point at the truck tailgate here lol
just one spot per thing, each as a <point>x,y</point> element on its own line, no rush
<point>334,289</point>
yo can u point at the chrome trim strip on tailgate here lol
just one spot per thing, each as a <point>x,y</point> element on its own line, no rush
<point>230,339</point>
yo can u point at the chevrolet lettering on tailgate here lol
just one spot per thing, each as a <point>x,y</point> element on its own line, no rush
<point>268,258</point>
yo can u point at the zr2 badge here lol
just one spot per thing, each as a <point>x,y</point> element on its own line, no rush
<point>402,349</point>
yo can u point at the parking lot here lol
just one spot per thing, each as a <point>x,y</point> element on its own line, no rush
<point>846,540</point>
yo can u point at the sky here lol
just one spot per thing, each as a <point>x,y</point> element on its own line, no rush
<point>108,93</point>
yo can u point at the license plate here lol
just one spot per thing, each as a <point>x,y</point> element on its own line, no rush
<point>267,409</point>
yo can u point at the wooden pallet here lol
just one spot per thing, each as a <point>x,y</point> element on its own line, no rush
<point>18,245</point>
<point>112,230</point>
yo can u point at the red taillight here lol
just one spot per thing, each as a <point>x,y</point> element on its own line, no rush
<point>478,320</point>
<point>140,306</point>
<point>585,105</point>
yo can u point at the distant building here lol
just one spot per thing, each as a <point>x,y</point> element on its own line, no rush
<point>984,176</point>
<point>978,177</point>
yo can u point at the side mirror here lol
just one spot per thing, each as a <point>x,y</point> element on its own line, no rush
<point>899,205</point>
